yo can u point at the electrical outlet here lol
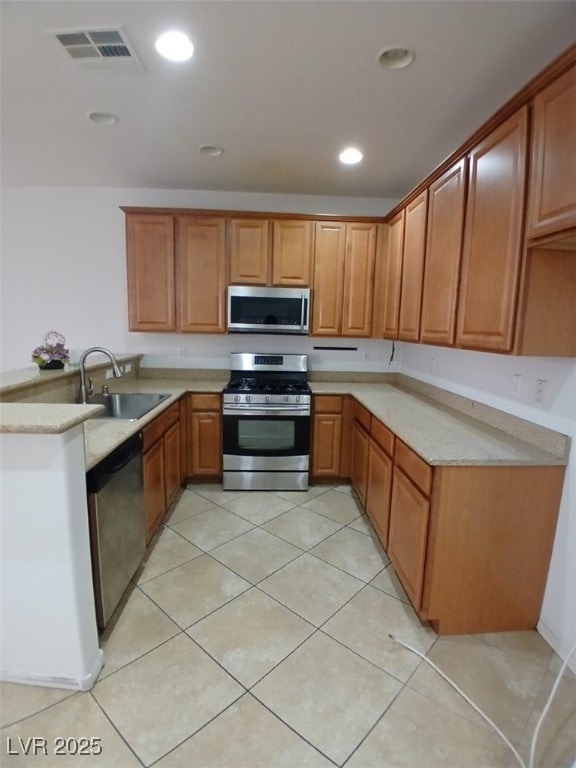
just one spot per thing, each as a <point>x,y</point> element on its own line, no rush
<point>109,373</point>
<point>127,367</point>
<point>540,390</point>
<point>367,356</point>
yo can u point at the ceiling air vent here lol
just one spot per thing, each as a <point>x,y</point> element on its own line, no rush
<point>100,49</point>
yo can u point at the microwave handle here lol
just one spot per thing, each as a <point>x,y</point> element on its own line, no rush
<point>302,310</point>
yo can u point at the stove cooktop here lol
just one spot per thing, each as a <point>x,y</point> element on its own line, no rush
<point>268,386</point>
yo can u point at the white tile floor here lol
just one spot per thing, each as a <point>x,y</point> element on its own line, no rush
<point>255,635</point>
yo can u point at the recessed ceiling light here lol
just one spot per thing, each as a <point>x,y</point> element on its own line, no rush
<point>175,46</point>
<point>396,57</point>
<point>103,118</point>
<point>350,156</point>
<point>211,151</point>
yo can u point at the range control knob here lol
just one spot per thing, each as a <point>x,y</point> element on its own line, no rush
<point>297,398</point>
<point>267,399</point>
<point>286,398</point>
<point>248,398</point>
<point>236,398</point>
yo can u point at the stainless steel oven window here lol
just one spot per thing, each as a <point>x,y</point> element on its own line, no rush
<point>266,435</point>
<point>270,435</point>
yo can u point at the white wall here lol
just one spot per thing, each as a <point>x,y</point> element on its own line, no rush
<point>63,268</point>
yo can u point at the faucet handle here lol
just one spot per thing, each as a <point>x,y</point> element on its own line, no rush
<point>89,388</point>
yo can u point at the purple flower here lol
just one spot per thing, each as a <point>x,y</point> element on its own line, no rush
<point>52,349</point>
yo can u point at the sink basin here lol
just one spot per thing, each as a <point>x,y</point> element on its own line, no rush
<point>129,406</point>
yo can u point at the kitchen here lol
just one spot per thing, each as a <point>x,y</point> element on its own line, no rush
<point>68,216</point>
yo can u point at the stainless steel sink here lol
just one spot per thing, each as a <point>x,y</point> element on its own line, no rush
<point>129,406</point>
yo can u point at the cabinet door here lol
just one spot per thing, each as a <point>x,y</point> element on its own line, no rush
<point>379,486</point>
<point>493,238</point>
<point>206,443</point>
<point>172,462</point>
<point>154,487</point>
<point>446,200</point>
<point>412,268</point>
<point>150,267</point>
<point>326,442</point>
<point>358,292</point>
<point>329,254</point>
<point>249,251</point>
<point>553,178</point>
<point>359,461</point>
<point>392,274</point>
<point>201,269</point>
<point>292,253</point>
<point>408,535</point>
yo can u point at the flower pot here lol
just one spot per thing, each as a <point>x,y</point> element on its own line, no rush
<point>52,365</point>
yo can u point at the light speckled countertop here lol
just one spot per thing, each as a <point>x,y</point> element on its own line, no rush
<point>440,434</point>
<point>43,418</point>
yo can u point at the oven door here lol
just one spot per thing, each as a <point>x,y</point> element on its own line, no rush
<point>265,450</point>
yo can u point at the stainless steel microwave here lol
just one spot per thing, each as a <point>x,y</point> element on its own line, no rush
<point>253,309</point>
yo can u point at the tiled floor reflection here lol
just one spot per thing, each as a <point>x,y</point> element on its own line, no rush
<point>255,635</point>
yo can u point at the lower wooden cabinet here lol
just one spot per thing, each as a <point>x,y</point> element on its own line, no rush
<point>359,457</point>
<point>161,466</point>
<point>471,545</point>
<point>154,487</point>
<point>408,538</point>
<point>379,479</point>
<point>205,435</point>
<point>327,425</point>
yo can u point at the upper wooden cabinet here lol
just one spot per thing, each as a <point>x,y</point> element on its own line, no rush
<point>249,251</point>
<point>329,255</point>
<point>263,252</point>
<point>292,252</point>
<point>390,277</point>
<point>446,201</point>
<point>176,273</point>
<point>150,266</point>
<point>201,269</point>
<point>412,268</point>
<point>553,176</point>
<point>493,241</point>
<point>344,259</point>
<point>359,279</point>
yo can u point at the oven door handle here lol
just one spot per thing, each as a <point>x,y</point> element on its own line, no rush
<point>235,410</point>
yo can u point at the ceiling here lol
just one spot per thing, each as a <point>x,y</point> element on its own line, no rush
<point>281,86</point>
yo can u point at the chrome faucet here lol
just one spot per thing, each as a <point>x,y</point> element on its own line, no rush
<point>87,391</point>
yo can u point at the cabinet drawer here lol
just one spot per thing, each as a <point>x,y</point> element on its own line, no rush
<point>383,436</point>
<point>413,466</point>
<point>161,423</point>
<point>205,402</point>
<point>361,415</point>
<point>328,404</point>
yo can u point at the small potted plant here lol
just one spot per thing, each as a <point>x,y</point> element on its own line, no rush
<point>52,354</point>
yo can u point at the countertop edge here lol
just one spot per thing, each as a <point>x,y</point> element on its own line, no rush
<point>43,418</point>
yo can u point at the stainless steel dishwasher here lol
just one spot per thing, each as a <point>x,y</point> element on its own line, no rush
<point>117,529</point>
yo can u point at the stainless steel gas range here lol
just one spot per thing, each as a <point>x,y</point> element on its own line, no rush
<point>266,423</point>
